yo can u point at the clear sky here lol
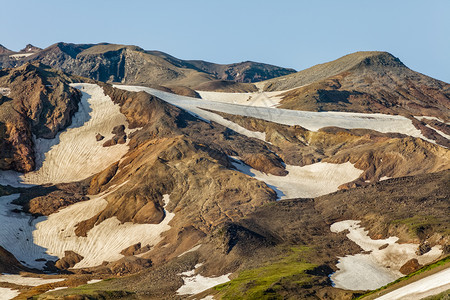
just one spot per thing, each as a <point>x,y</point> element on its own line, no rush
<point>295,34</point>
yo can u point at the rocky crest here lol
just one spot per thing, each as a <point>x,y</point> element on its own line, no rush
<point>30,49</point>
<point>133,65</point>
<point>40,103</point>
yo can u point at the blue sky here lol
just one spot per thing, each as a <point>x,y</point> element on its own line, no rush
<point>295,34</point>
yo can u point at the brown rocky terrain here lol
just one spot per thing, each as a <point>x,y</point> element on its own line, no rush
<point>4,50</point>
<point>133,65</point>
<point>247,71</point>
<point>227,86</point>
<point>369,82</point>
<point>378,154</point>
<point>297,231</point>
<point>275,249</point>
<point>30,48</point>
<point>40,102</point>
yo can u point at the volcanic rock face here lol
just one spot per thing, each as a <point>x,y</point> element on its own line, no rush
<point>133,65</point>
<point>242,72</point>
<point>40,103</point>
<point>30,48</point>
<point>379,155</point>
<point>4,50</point>
<point>365,82</point>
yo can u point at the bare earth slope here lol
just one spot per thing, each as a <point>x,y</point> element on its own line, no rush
<point>36,101</point>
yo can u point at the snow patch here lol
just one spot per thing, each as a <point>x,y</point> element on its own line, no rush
<point>75,154</point>
<point>5,91</point>
<point>428,286</point>
<point>430,118</point>
<point>190,250</point>
<point>16,234</point>
<point>310,120</point>
<point>34,241</point>
<point>194,284</point>
<point>93,281</point>
<point>260,98</point>
<point>20,55</point>
<point>381,265</point>
<point>385,178</point>
<point>439,132</point>
<point>304,182</point>
<point>57,289</point>
<point>192,106</point>
<point>7,294</point>
<point>28,281</point>
<point>104,242</point>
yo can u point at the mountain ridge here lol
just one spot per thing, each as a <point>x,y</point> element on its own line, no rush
<point>120,63</point>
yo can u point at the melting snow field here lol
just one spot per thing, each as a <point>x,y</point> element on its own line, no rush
<point>428,286</point>
<point>304,182</point>
<point>28,281</point>
<point>380,266</point>
<point>75,154</point>
<point>7,294</point>
<point>49,237</point>
<point>194,284</point>
<point>309,120</point>
<point>261,99</point>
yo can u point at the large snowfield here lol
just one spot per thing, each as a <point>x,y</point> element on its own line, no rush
<point>49,237</point>
<point>75,154</point>
<point>28,281</point>
<point>381,265</point>
<point>307,119</point>
<point>304,182</point>
<point>7,294</point>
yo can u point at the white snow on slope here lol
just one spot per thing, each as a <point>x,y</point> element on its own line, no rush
<point>381,266</point>
<point>104,242</point>
<point>16,234</point>
<point>57,289</point>
<point>309,120</point>
<point>184,102</point>
<point>93,281</point>
<point>439,132</point>
<point>20,55</point>
<point>28,281</point>
<point>74,153</point>
<point>29,239</point>
<point>7,294</point>
<point>428,286</point>
<point>194,284</point>
<point>262,99</point>
<point>304,182</point>
<point>5,91</point>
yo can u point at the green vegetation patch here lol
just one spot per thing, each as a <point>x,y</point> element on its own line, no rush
<point>420,223</point>
<point>98,290</point>
<point>265,282</point>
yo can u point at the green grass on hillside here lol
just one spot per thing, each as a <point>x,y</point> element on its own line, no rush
<point>265,281</point>
<point>418,223</point>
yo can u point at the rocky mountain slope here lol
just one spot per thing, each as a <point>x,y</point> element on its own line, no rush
<point>34,101</point>
<point>165,195</point>
<point>369,82</point>
<point>133,65</point>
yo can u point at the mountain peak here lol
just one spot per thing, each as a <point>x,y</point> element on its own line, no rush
<point>4,50</point>
<point>378,58</point>
<point>30,48</point>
